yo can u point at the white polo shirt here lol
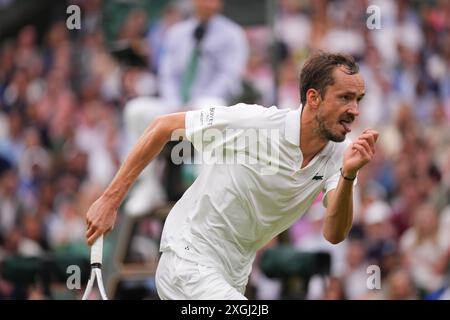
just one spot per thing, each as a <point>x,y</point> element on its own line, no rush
<point>233,209</point>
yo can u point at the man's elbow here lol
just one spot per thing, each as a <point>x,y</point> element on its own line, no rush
<point>161,127</point>
<point>167,126</point>
<point>334,238</point>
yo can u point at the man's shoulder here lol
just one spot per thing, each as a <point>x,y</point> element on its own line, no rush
<point>181,27</point>
<point>257,108</point>
<point>225,23</point>
<point>247,105</point>
<point>253,115</point>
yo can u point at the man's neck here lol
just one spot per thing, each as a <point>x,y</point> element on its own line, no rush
<point>204,19</point>
<point>310,142</point>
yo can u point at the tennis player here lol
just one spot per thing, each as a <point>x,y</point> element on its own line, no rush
<point>213,232</point>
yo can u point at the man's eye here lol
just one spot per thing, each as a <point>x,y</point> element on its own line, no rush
<point>345,98</point>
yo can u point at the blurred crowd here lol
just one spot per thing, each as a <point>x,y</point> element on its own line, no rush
<point>62,137</point>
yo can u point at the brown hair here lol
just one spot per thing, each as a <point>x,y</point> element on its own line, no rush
<point>317,72</point>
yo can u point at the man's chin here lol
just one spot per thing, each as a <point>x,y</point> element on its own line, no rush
<point>339,139</point>
<point>336,137</point>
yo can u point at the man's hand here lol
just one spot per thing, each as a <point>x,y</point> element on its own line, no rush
<point>360,152</point>
<point>100,219</point>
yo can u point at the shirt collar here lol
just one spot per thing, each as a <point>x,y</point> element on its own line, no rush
<point>292,126</point>
<point>328,149</point>
<point>210,21</point>
<point>292,131</point>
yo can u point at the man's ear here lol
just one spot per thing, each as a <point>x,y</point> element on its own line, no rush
<point>313,98</point>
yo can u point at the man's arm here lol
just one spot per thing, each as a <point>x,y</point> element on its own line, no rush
<point>339,216</point>
<point>102,213</point>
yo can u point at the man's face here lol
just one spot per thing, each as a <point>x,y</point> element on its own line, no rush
<point>339,106</point>
<point>205,9</point>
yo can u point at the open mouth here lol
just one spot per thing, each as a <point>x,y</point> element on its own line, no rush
<point>346,124</point>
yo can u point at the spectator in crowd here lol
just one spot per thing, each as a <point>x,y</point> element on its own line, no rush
<point>426,250</point>
<point>355,274</point>
<point>400,286</point>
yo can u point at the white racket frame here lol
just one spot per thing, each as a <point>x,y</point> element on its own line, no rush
<point>96,270</point>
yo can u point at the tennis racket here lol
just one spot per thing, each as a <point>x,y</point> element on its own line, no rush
<point>96,270</point>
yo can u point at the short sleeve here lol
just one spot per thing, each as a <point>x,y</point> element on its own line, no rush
<point>330,184</point>
<point>211,126</point>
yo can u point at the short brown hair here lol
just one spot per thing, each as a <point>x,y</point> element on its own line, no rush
<point>317,72</point>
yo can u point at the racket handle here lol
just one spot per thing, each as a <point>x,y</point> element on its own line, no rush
<point>97,251</point>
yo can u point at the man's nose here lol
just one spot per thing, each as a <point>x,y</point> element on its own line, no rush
<point>354,109</point>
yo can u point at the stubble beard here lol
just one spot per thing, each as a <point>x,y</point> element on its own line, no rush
<point>326,133</point>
